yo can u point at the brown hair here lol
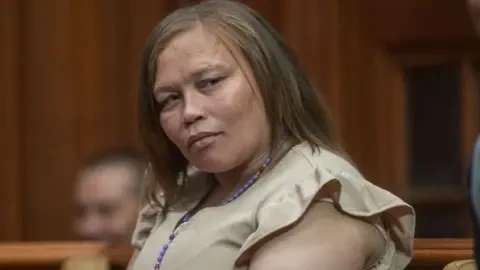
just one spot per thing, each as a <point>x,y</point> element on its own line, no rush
<point>291,101</point>
<point>125,156</point>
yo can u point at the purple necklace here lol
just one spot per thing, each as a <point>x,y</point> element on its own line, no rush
<point>187,216</point>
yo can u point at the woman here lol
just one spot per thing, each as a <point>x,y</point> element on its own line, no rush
<point>252,175</point>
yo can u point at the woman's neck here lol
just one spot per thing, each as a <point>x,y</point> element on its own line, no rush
<point>232,180</point>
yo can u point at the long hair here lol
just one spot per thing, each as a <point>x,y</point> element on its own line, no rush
<point>291,101</point>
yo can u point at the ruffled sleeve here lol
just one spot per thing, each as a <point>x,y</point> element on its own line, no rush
<point>353,194</point>
<point>150,216</point>
<point>148,219</point>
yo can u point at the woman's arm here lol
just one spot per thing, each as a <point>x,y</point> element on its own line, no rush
<point>323,239</point>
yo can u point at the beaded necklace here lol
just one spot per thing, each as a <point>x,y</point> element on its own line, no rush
<point>184,220</point>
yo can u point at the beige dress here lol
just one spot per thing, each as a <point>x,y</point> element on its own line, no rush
<point>216,237</point>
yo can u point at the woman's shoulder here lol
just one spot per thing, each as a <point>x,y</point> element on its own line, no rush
<point>304,164</point>
<point>308,176</point>
<point>147,220</point>
<point>154,212</point>
<point>317,157</point>
<point>314,243</point>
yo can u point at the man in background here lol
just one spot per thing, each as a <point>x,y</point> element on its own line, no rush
<point>107,195</point>
<point>474,170</point>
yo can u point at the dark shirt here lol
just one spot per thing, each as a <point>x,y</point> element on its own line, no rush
<point>474,215</point>
<point>473,191</point>
<point>473,212</point>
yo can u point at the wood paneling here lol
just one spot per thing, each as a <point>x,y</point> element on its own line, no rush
<point>54,253</point>
<point>436,253</point>
<point>470,111</point>
<point>10,175</point>
<point>48,121</point>
<point>421,25</point>
<point>70,68</point>
<point>359,79</point>
<point>69,78</point>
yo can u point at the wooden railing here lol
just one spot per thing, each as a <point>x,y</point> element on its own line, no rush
<point>50,255</point>
<point>436,253</point>
<point>429,253</point>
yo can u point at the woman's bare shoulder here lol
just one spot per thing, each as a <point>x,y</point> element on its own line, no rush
<point>324,238</point>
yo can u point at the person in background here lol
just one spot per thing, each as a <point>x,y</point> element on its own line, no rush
<point>252,173</point>
<point>474,195</point>
<point>107,194</point>
<point>474,169</point>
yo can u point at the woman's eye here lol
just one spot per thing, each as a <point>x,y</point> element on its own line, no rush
<point>206,83</point>
<point>168,101</point>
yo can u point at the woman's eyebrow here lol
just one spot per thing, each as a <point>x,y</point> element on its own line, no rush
<point>195,75</point>
<point>205,69</point>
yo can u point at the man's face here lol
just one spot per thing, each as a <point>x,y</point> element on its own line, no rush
<point>106,204</point>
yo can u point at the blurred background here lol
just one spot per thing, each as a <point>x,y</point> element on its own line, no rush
<point>398,75</point>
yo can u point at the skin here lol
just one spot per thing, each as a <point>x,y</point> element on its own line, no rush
<point>106,203</point>
<point>232,105</point>
<point>323,239</point>
<point>203,87</point>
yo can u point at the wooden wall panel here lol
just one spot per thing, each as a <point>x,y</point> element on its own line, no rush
<point>107,102</point>
<point>371,93</point>
<point>318,23</point>
<point>470,111</point>
<point>359,79</point>
<point>143,16</point>
<point>69,88</point>
<point>70,74</point>
<point>10,184</point>
<point>421,25</point>
<point>49,118</point>
<point>80,73</point>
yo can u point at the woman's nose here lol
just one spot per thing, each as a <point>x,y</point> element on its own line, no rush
<point>193,110</point>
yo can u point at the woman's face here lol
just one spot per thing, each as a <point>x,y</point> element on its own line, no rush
<point>210,106</point>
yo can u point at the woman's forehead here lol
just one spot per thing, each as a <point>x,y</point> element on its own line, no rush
<point>193,45</point>
<point>196,49</point>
